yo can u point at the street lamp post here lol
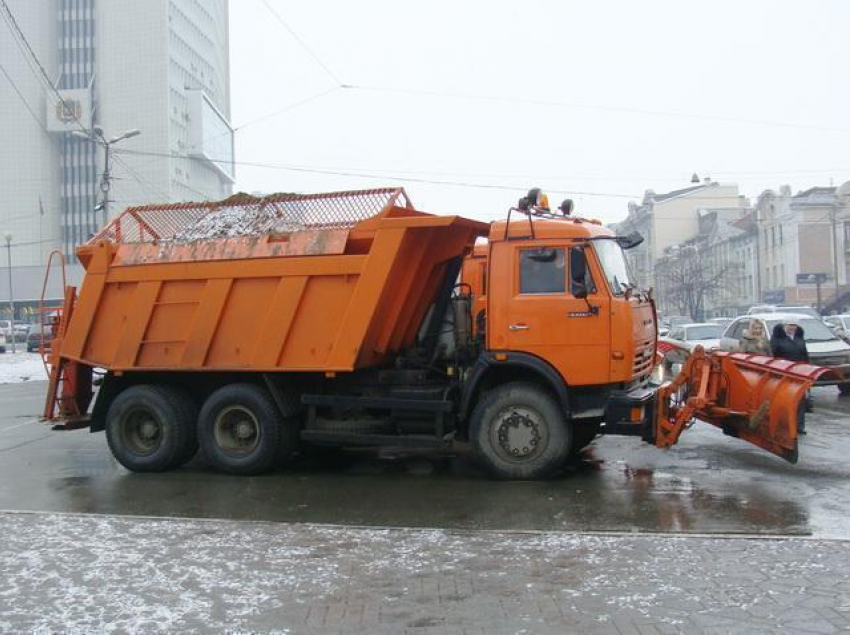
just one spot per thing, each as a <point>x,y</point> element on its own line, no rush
<point>11,294</point>
<point>97,136</point>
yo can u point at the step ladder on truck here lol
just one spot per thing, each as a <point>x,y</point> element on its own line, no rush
<point>255,327</point>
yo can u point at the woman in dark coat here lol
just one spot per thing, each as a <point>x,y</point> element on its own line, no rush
<point>784,347</point>
<point>799,341</point>
<point>797,335</point>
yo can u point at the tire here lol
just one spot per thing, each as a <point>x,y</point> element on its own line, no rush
<point>538,420</point>
<point>150,428</point>
<point>241,430</point>
<point>844,389</point>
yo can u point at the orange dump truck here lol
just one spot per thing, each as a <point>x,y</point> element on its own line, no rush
<point>252,328</point>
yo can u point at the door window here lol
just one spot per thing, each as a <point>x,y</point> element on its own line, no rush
<point>542,271</point>
<point>577,281</point>
<point>737,332</point>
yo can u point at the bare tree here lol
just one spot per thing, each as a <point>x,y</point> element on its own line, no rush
<point>687,280</point>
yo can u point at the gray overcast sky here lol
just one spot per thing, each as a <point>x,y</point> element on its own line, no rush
<point>607,98</point>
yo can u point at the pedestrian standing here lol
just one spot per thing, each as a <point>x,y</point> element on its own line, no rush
<point>754,339</point>
<point>797,335</point>
<point>784,347</point>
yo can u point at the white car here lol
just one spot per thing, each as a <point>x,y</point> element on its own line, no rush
<point>796,310</point>
<point>825,347</point>
<point>840,325</point>
<point>2,342</point>
<point>722,321</point>
<point>705,334</point>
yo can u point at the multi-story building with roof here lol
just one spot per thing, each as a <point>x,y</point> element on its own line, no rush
<point>159,66</point>
<point>803,233</point>
<point>672,218</point>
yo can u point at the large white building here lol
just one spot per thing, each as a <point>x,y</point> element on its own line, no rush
<point>672,218</point>
<point>159,66</point>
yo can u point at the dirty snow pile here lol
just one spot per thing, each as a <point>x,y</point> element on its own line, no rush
<point>230,222</point>
<point>21,366</point>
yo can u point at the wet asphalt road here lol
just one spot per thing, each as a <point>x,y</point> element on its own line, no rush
<point>707,484</point>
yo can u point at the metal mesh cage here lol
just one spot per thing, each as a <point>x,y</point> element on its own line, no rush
<point>246,215</point>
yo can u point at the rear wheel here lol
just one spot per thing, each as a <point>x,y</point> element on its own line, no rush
<point>241,431</point>
<point>151,428</point>
<point>844,389</point>
<point>517,431</point>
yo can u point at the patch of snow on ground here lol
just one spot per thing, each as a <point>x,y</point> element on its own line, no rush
<point>21,366</point>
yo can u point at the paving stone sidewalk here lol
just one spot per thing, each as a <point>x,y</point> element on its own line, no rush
<point>84,574</point>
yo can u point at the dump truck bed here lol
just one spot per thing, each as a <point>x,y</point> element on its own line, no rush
<point>329,283</point>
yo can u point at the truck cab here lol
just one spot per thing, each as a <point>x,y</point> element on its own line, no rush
<point>554,296</point>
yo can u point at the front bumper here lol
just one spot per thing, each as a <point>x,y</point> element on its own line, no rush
<point>631,413</point>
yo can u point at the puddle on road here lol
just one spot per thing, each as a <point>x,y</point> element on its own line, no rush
<point>399,489</point>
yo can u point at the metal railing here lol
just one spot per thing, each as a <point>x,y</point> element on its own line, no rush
<point>246,215</point>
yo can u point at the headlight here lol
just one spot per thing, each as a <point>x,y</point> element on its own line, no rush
<point>659,374</point>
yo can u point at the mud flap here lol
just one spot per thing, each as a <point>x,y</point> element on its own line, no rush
<point>751,397</point>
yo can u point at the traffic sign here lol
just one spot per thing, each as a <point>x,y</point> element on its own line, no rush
<point>812,278</point>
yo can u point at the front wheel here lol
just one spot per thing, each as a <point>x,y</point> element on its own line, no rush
<point>844,389</point>
<point>518,431</point>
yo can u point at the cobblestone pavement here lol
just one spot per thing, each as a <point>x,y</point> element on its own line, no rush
<point>82,574</point>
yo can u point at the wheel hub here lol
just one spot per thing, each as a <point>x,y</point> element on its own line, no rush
<point>148,430</point>
<point>518,434</point>
<point>237,431</point>
<point>243,430</point>
<point>141,432</point>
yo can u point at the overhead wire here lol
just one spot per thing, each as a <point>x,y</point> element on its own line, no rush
<point>23,100</point>
<point>32,59</point>
<point>578,105</point>
<point>303,44</point>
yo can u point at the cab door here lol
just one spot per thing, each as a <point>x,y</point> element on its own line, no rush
<point>534,309</point>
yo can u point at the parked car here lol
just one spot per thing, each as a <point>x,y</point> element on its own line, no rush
<point>678,320</point>
<point>722,321</point>
<point>21,331</point>
<point>35,337</point>
<point>773,308</point>
<point>705,334</point>
<point>840,325</point>
<point>825,347</point>
<point>2,342</point>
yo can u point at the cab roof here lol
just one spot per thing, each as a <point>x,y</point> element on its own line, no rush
<point>546,227</point>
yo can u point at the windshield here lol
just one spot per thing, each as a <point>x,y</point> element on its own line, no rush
<point>614,265</point>
<point>802,310</point>
<point>707,332</point>
<point>815,330</point>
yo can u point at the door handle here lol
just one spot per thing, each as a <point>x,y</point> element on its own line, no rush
<point>518,327</point>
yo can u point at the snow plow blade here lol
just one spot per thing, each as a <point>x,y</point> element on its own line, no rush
<point>751,397</point>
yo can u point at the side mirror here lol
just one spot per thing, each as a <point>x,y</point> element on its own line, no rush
<point>578,273</point>
<point>629,242</point>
